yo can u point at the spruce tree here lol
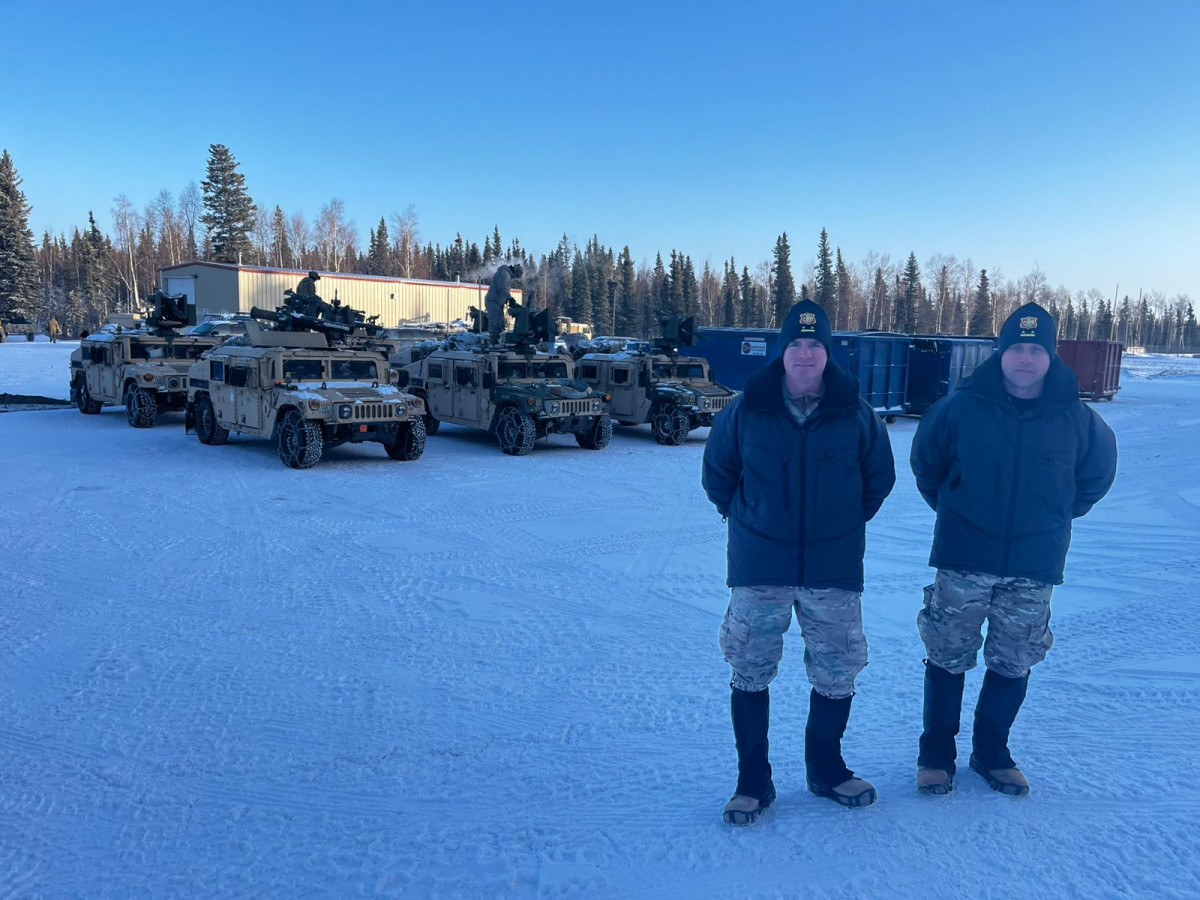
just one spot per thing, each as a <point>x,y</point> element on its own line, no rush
<point>784,286</point>
<point>230,213</point>
<point>281,251</point>
<point>912,295</point>
<point>18,264</point>
<point>826,283</point>
<point>841,310</point>
<point>628,321</point>
<point>729,295</point>
<point>981,310</point>
<point>750,317</point>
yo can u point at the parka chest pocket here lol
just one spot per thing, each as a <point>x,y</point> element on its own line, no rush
<point>846,458</point>
<point>1054,474</point>
<point>767,482</point>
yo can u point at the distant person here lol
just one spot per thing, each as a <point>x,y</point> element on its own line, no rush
<point>3,333</point>
<point>84,334</point>
<point>1006,461</point>
<point>498,296</point>
<point>798,464</point>
<point>308,285</point>
<point>54,330</point>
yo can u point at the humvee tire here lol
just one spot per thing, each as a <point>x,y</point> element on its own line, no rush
<point>208,429</point>
<point>300,441</point>
<point>83,400</point>
<point>410,441</point>
<point>432,423</point>
<point>515,431</point>
<point>669,425</point>
<point>598,436</point>
<point>141,407</point>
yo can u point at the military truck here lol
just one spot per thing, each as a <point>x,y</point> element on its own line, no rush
<point>516,391</point>
<point>295,385</point>
<point>143,367</point>
<point>674,393</point>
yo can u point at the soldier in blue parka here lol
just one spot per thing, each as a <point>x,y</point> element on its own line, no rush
<point>797,465</point>
<point>1006,461</point>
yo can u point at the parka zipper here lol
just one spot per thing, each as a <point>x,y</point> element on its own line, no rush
<point>803,479</point>
<point>1016,484</point>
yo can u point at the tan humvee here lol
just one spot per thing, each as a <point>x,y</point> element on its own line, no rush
<point>145,372</point>
<point>292,387</point>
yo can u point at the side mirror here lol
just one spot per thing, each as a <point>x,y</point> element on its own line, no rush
<point>489,380</point>
<point>643,379</point>
<point>401,378</point>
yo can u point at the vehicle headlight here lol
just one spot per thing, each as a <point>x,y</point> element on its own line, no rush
<point>552,406</point>
<point>400,408</point>
<point>344,411</point>
<point>173,383</point>
<point>705,404</point>
<point>596,406</point>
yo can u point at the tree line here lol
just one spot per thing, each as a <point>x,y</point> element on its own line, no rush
<point>83,278</point>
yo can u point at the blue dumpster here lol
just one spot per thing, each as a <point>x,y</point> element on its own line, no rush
<point>735,353</point>
<point>936,365</point>
<point>879,360</point>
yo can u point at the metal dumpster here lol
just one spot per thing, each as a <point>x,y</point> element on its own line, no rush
<point>936,365</point>
<point>879,360</point>
<point>1097,364</point>
<point>735,353</point>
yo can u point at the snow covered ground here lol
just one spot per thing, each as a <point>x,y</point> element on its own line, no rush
<point>480,676</point>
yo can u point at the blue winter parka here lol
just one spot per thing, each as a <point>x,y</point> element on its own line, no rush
<point>1006,484</point>
<point>798,497</point>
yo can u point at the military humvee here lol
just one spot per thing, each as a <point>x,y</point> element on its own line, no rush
<point>144,368</point>
<point>514,390</point>
<point>674,393</point>
<point>294,386</point>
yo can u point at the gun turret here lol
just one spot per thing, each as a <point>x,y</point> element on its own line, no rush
<point>167,313</point>
<point>676,332</point>
<point>311,313</point>
<point>531,327</point>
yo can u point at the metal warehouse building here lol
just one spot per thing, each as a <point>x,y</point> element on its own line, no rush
<point>223,287</point>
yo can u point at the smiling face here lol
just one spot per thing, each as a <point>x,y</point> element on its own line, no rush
<point>1024,366</point>
<point>804,362</point>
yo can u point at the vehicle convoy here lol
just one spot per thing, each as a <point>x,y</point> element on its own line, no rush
<point>145,368</point>
<point>295,385</point>
<point>513,389</point>
<point>674,393</point>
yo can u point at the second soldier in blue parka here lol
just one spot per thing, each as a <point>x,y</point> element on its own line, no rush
<point>1007,461</point>
<point>798,464</point>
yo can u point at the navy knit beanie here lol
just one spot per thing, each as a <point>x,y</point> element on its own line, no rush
<point>805,320</point>
<point>1031,325</point>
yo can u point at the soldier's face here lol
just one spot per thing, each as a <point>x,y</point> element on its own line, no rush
<point>1024,366</point>
<point>804,361</point>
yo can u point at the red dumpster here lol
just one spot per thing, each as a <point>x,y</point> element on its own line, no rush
<point>1097,364</point>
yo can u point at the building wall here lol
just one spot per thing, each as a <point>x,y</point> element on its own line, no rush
<point>222,288</point>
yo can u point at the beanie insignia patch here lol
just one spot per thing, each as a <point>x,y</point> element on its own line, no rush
<point>1029,323</point>
<point>808,318</point>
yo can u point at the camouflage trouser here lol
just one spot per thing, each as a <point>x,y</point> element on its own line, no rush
<point>835,648</point>
<point>1017,611</point>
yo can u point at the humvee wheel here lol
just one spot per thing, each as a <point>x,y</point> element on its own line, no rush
<point>83,400</point>
<point>515,431</point>
<point>598,435</point>
<point>208,429</point>
<point>432,423</point>
<point>410,441</point>
<point>300,441</point>
<point>141,407</point>
<point>669,425</point>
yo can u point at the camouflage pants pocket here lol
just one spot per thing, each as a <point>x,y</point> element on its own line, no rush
<point>951,620</point>
<point>835,647</point>
<point>752,634</point>
<point>1019,635</point>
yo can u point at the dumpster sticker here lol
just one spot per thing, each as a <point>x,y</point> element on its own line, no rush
<point>754,347</point>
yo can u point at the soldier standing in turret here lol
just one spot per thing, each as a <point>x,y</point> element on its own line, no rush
<point>308,286</point>
<point>498,296</point>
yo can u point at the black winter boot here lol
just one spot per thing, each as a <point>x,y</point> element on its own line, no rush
<point>942,712</point>
<point>1000,700</point>
<point>827,772</point>
<point>751,713</point>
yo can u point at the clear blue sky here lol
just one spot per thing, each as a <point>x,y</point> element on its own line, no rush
<point>1061,135</point>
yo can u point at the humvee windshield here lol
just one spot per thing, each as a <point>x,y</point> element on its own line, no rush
<point>513,370</point>
<point>354,370</point>
<point>552,369</point>
<point>166,351</point>
<point>303,370</point>
<point>682,370</point>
